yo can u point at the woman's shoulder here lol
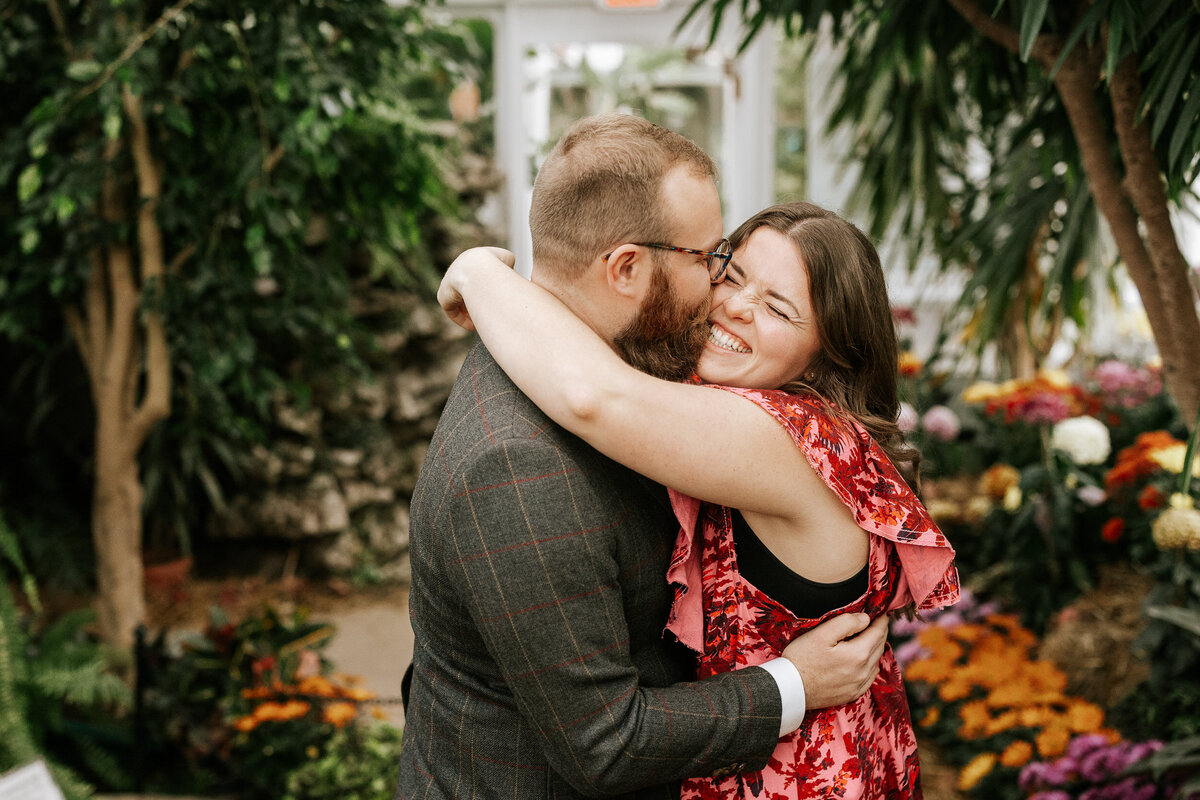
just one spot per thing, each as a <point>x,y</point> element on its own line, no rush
<point>803,412</point>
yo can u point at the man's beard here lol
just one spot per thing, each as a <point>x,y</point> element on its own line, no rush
<point>666,337</point>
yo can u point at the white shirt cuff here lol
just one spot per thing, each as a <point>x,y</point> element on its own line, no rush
<point>791,693</point>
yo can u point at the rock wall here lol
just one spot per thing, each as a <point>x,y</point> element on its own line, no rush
<point>335,482</point>
<point>336,479</point>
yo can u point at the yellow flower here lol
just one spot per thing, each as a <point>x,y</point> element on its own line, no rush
<point>1177,528</point>
<point>975,771</point>
<point>1017,754</point>
<point>981,392</point>
<point>1012,498</point>
<point>1171,458</point>
<point>1055,377</point>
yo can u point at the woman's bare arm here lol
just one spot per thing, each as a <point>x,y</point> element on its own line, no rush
<point>705,442</point>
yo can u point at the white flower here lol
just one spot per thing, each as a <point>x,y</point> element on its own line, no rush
<point>1084,439</point>
<point>1091,495</point>
<point>909,419</point>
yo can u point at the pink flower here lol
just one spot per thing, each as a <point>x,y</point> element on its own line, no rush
<point>942,423</point>
<point>908,419</point>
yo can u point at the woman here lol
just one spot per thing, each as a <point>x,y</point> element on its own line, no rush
<point>801,512</point>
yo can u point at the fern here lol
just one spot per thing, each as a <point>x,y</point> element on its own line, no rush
<point>18,745</point>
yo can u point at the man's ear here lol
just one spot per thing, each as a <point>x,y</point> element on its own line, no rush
<point>627,270</point>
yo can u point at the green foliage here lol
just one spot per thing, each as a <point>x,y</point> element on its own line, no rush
<point>58,695</point>
<point>359,764</point>
<point>297,155</point>
<point>246,708</point>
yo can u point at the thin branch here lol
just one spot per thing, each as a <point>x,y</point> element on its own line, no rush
<point>180,259</point>
<point>132,47</point>
<point>60,24</point>
<point>1046,47</point>
<point>155,403</point>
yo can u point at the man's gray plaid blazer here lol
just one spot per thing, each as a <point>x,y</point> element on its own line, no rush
<point>538,603</point>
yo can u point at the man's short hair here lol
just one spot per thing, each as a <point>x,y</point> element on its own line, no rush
<point>601,186</point>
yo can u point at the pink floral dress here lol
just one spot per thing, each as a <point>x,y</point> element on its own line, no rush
<point>863,749</point>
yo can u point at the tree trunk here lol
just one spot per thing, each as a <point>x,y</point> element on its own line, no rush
<point>131,392</point>
<point>117,534</point>
<point>1155,262</point>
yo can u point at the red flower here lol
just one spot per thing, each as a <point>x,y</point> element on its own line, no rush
<point>1113,529</point>
<point>1149,498</point>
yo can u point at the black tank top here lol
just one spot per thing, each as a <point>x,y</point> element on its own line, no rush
<point>804,598</point>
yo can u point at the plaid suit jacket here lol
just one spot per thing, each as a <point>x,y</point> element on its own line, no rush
<point>538,603</point>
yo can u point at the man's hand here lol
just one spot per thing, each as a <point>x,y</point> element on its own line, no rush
<point>839,659</point>
<point>450,293</point>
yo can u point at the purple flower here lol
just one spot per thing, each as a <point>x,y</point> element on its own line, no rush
<point>951,619</point>
<point>1058,794</point>
<point>1042,775</point>
<point>909,652</point>
<point>1082,745</point>
<point>942,423</point>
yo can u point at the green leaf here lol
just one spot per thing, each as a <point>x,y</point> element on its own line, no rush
<point>1031,25</point>
<point>83,70</point>
<point>29,182</point>
<point>64,207</point>
<point>1185,125</point>
<point>112,125</point>
<point>29,240</point>
<point>1183,66</point>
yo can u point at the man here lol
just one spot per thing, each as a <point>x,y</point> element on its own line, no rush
<point>539,596</point>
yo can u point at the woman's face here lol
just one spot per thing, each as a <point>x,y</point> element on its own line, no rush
<point>764,331</point>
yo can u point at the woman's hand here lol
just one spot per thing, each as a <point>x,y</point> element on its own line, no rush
<point>468,263</point>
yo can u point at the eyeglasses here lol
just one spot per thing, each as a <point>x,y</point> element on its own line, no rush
<point>717,260</point>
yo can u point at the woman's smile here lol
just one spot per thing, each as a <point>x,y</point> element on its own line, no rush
<point>724,340</point>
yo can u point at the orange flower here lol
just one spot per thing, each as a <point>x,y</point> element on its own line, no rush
<point>1113,529</point>
<point>318,686</point>
<point>1017,754</point>
<point>975,771</point>
<point>909,364</point>
<point>339,713</point>
<point>245,724</point>
<point>1084,717</point>
<point>1003,722</point>
<point>1052,741</point>
<point>954,689</point>
<point>998,479</point>
<point>975,717</point>
<point>931,717</point>
<point>358,695</point>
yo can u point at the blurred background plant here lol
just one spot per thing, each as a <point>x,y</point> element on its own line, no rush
<point>206,181</point>
<point>60,697</point>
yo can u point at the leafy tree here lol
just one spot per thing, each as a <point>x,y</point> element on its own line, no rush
<point>1079,111</point>
<point>185,184</point>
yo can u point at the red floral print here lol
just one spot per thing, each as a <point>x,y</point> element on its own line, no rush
<point>864,749</point>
